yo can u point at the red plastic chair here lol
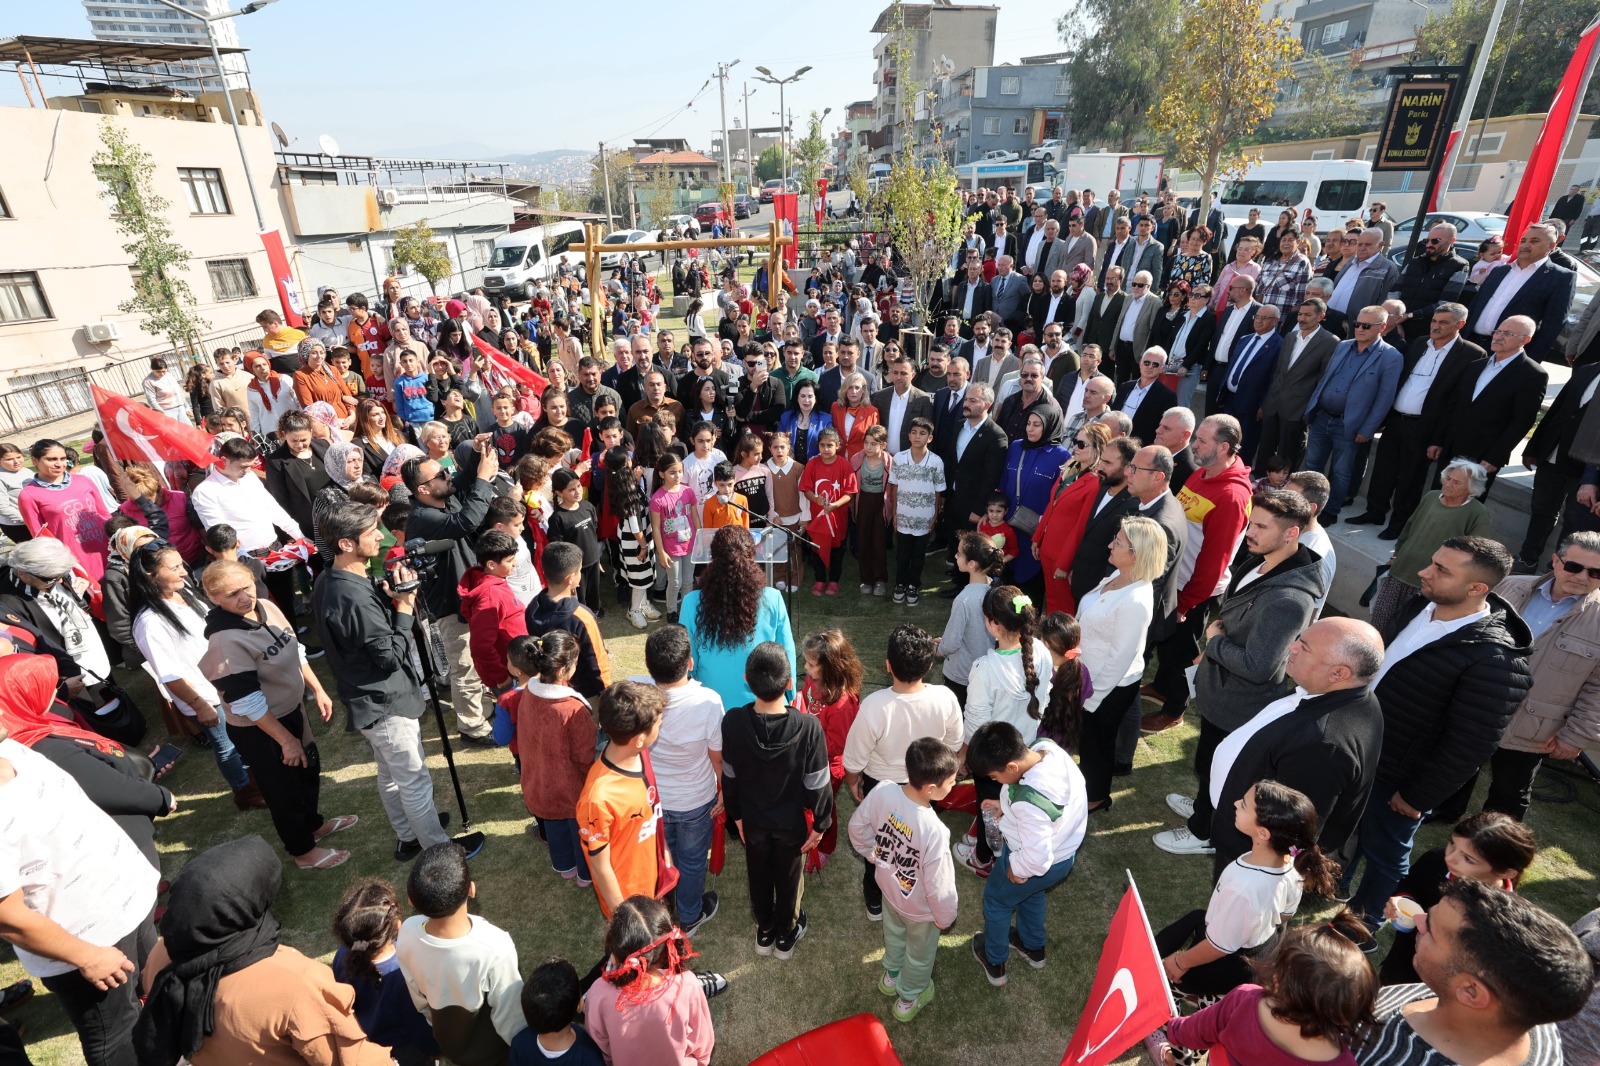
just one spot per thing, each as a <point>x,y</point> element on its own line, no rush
<point>859,1040</point>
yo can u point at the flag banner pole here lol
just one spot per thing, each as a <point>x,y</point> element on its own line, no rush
<point>1172,1003</point>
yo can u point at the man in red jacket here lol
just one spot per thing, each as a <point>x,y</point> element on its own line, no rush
<point>1216,502</point>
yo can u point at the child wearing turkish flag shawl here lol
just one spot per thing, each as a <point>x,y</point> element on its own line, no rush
<point>829,482</point>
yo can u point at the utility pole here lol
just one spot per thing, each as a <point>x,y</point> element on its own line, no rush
<point>605,179</point>
<point>722,92</point>
<point>1464,119</point>
<point>749,159</point>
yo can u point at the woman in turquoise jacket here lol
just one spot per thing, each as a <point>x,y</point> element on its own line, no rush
<point>727,617</point>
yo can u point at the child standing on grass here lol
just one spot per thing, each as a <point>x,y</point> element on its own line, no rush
<point>550,999</point>
<point>619,819</point>
<point>1070,683</point>
<point>1205,952</point>
<point>366,923</point>
<point>575,521</point>
<point>753,480</point>
<point>725,507</point>
<point>1488,846</point>
<point>1009,684</point>
<point>558,741</point>
<point>519,665</point>
<point>533,480</point>
<point>916,482</point>
<point>788,505</point>
<point>966,636</point>
<point>649,1007</point>
<point>491,609</point>
<point>829,484</point>
<point>1314,1004</point>
<point>775,785</point>
<point>557,608</point>
<point>509,516</point>
<point>1043,815</point>
<point>461,970</point>
<point>628,505</point>
<point>870,510</point>
<point>673,520</point>
<point>897,831</point>
<point>997,529</point>
<point>699,469</point>
<point>831,691</point>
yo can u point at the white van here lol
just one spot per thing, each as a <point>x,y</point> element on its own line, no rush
<point>1331,189</point>
<point>524,259</point>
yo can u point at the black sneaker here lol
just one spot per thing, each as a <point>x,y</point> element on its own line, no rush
<point>482,740</point>
<point>471,843</point>
<point>785,946</point>
<point>765,938</point>
<point>708,911</point>
<point>875,912</point>
<point>712,984</point>
<point>899,594</point>
<point>913,596</point>
<point>406,850</point>
<point>1035,957</point>
<point>444,819</point>
<point>995,974</point>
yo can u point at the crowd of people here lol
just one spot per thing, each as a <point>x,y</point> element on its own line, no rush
<point>444,501</point>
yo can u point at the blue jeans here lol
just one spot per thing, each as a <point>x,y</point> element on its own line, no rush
<point>1328,444</point>
<point>566,853</point>
<point>689,838</point>
<point>228,758</point>
<point>1002,899</point>
<point>1384,839</point>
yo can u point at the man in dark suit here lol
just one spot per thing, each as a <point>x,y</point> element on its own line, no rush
<point>1335,322</point>
<point>1437,275</point>
<point>1144,398</point>
<point>947,412</point>
<point>971,297</point>
<point>1054,305</point>
<point>1214,222</point>
<point>1243,384</point>
<point>1174,432</point>
<point>1104,313</point>
<point>1301,360</point>
<point>703,366</point>
<point>1004,242</point>
<point>976,463</point>
<point>1430,373</point>
<point>1555,472</point>
<point>831,330</point>
<point>1570,207</point>
<point>1112,504</point>
<point>1236,320</point>
<point>1115,252</point>
<point>1543,293</point>
<point>1495,403</point>
<point>899,403</point>
<point>1032,391</point>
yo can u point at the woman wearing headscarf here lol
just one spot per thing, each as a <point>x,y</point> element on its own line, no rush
<point>422,326</point>
<point>224,992</point>
<point>118,780</point>
<point>271,396</point>
<point>344,463</point>
<point>317,381</point>
<point>1032,464</point>
<point>1082,296</point>
<point>38,584</point>
<point>261,673</point>
<point>390,475</point>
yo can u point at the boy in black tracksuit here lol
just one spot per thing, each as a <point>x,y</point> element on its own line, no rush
<point>557,607</point>
<point>777,791</point>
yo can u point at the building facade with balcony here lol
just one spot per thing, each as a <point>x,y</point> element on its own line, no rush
<point>1008,108</point>
<point>942,38</point>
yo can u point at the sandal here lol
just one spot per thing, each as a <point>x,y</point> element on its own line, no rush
<point>327,862</point>
<point>338,825</point>
<point>15,995</point>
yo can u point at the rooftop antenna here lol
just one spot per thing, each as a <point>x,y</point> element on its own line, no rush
<point>329,146</point>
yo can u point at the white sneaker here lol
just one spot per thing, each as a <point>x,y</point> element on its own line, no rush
<point>1181,805</point>
<point>650,612</point>
<point>637,619</point>
<point>1182,842</point>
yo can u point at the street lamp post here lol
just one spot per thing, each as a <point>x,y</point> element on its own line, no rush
<point>783,147</point>
<point>227,98</point>
<point>722,91</point>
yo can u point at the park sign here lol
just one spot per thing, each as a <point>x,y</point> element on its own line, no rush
<point>1416,128</point>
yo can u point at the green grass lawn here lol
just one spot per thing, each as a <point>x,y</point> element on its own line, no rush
<point>835,968</point>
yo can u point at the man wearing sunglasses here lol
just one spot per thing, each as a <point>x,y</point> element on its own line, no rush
<point>1134,323</point>
<point>1349,403</point>
<point>1560,716</point>
<point>1435,276</point>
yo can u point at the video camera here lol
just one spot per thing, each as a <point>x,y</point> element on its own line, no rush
<point>420,557</point>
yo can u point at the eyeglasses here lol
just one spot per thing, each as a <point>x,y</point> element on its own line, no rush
<point>1578,568</point>
<point>1079,442</point>
<point>1368,325</point>
<point>1139,285</point>
<point>1152,362</point>
<point>1433,240</point>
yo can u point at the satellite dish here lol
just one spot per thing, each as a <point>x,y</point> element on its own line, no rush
<point>328,145</point>
<point>283,138</point>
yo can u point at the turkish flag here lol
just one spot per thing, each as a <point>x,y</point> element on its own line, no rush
<point>509,367</point>
<point>135,433</point>
<point>1534,187</point>
<point>1130,997</point>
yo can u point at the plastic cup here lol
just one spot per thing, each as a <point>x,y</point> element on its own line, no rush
<point>1406,911</point>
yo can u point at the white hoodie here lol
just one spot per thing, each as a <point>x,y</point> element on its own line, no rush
<point>997,691</point>
<point>1035,842</point>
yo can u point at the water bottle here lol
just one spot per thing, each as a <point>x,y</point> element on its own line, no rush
<point>991,829</point>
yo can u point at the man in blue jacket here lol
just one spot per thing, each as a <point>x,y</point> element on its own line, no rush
<point>1349,403</point>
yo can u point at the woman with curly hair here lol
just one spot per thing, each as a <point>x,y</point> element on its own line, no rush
<point>731,612</point>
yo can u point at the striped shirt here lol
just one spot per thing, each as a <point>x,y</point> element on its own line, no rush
<point>1395,1043</point>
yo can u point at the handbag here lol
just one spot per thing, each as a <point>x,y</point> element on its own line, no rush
<point>1024,519</point>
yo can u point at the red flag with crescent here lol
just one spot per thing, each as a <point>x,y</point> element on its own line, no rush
<point>506,366</point>
<point>1130,997</point>
<point>137,433</point>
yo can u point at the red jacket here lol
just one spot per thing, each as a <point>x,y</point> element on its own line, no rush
<point>493,617</point>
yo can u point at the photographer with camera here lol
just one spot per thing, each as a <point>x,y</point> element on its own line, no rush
<point>446,509</point>
<point>367,632</point>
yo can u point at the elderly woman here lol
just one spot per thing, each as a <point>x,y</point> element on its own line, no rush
<point>1114,617</point>
<point>423,327</point>
<point>1193,263</point>
<point>434,437</point>
<point>259,669</point>
<point>1061,526</point>
<point>1283,278</point>
<point>1032,464</point>
<point>317,381</point>
<point>1245,250</point>
<point>853,414</point>
<point>38,584</point>
<point>222,991</point>
<point>1453,511</point>
<point>271,396</point>
<point>344,463</point>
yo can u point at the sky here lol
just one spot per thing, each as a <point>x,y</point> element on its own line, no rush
<point>380,76</point>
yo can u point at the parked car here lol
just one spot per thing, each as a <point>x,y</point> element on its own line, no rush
<point>770,189</point>
<point>1048,150</point>
<point>709,213</point>
<point>742,207</point>
<point>998,156</point>
<point>684,224</point>
<point>622,238</point>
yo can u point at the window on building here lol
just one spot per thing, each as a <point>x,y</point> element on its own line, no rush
<point>231,279</point>
<point>204,188</point>
<point>1323,153</point>
<point>1335,31</point>
<point>21,298</point>
<point>1492,144</point>
<point>1019,126</point>
<point>1063,85</point>
<point>114,187</point>
<point>991,127</point>
<point>482,249</point>
<point>1010,86</point>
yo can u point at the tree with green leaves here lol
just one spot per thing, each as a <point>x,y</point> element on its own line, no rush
<point>1536,39</point>
<point>594,193</point>
<point>655,194</point>
<point>1217,92</point>
<point>416,247</point>
<point>769,164</point>
<point>810,153</point>
<point>1327,104</point>
<point>1119,62</point>
<point>161,298</point>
